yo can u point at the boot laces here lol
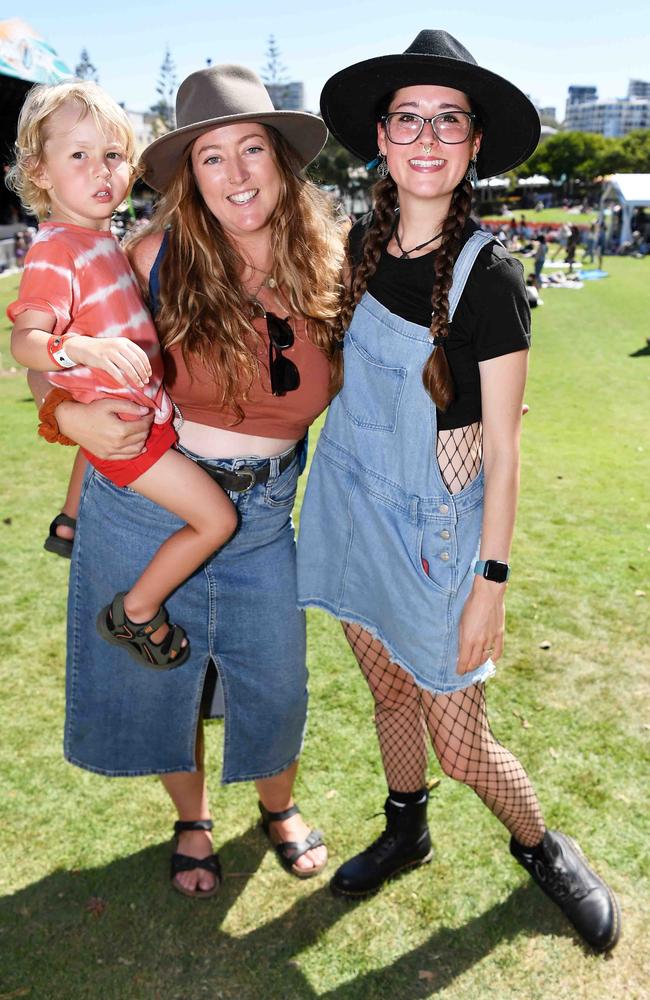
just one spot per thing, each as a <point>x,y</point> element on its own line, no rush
<point>560,882</point>
<point>382,846</point>
<point>384,843</point>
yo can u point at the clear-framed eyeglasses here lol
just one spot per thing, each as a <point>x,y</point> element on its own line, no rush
<point>403,127</point>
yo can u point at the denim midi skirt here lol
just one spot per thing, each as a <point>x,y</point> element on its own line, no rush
<point>239,611</point>
<point>377,512</point>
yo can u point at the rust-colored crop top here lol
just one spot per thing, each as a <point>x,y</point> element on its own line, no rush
<point>265,415</point>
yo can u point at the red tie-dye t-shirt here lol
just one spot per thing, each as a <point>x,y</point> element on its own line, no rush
<point>83,278</point>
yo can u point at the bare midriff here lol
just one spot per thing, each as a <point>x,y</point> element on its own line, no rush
<point>214,442</point>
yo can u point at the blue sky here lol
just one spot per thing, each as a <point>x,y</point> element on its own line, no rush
<point>542,47</point>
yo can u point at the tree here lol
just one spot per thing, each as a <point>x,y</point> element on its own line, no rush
<point>636,151</point>
<point>84,69</point>
<point>274,74</point>
<point>336,168</point>
<point>166,90</point>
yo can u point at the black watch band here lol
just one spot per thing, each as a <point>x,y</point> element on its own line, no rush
<point>492,569</point>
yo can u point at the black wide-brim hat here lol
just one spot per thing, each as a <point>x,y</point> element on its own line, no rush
<point>353,100</point>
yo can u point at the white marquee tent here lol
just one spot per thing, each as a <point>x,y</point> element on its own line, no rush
<point>630,192</point>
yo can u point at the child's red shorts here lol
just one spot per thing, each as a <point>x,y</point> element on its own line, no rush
<point>161,438</point>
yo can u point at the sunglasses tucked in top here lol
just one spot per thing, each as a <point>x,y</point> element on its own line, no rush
<point>452,127</point>
<point>285,377</point>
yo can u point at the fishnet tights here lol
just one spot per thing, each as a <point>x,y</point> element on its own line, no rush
<point>460,733</point>
<point>459,454</point>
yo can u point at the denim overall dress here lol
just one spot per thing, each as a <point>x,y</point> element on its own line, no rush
<point>376,509</point>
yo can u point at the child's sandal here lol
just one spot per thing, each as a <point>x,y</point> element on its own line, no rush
<point>54,542</point>
<point>135,637</point>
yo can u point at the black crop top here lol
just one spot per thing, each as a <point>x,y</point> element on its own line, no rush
<point>491,319</point>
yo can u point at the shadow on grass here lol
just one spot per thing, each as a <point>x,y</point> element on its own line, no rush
<point>118,931</point>
<point>643,352</point>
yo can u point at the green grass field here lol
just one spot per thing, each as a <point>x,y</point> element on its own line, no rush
<point>86,910</point>
<point>555,216</point>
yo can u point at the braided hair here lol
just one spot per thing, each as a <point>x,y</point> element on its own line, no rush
<point>436,375</point>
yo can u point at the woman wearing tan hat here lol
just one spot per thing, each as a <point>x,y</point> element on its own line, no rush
<point>416,471</point>
<point>240,265</point>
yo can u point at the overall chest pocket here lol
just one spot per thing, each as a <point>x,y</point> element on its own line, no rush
<point>371,391</point>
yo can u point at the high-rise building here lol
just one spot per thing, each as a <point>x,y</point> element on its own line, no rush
<point>638,88</point>
<point>614,117</point>
<point>578,95</point>
<point>287,96</point>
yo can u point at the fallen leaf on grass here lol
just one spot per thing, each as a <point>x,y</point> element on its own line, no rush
<point>525,724</point>
<point>330,795</point>
<point>433,783</point>
<point>545,644</point>
<point>21,992</point>
<point>124,961</point>
<point>96,905</point>
<point>426,975</point>
<point>553,752</point>
<point>639,593</point>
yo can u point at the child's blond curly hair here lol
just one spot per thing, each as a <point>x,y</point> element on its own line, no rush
<point>41,102</point>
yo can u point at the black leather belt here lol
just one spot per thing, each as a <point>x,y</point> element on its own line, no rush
<point>243,479</point>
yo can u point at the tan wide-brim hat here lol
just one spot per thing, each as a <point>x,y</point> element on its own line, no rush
<point>225,95</point>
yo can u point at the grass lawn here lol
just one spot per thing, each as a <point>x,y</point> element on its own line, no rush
<point>548,215</point>
<point>86,910</point>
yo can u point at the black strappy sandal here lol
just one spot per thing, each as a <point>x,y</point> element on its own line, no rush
<point>288,851</point>
<point>184,863</point>
<point>135,637</point>
<point>54,543</point>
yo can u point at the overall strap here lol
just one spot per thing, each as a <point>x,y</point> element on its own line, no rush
<point>464,264</point>
<point>154,275</point>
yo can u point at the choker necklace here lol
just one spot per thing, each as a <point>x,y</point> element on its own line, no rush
<point>420,246</point>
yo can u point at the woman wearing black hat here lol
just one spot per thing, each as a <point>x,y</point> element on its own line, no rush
<point>241,265</point>
<point>416,471</point>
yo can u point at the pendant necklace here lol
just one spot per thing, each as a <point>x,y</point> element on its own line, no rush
<point>420,246</point>
<point>268,282</point>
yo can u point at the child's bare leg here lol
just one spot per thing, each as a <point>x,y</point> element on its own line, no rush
<point>40,387</point>
<point>73,496</point>
<point>180,486</point>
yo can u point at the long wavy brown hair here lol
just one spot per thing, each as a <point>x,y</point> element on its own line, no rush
<point>204,306</point>
<point>436,375</point>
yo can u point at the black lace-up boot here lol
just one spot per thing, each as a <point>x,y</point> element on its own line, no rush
<point>561,870</point>
<point>405,843</point>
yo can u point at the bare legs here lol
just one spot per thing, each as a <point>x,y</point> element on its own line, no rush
<point>73,496</point>
<point>189,794</point>
<point>276,794</point>
<point>459,731</point>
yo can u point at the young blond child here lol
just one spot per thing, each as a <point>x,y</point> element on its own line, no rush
<point>79,317</point>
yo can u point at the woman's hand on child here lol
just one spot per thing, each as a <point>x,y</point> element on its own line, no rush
<point>124,361</point>
<point>99,428</point>
<point>482,624</point>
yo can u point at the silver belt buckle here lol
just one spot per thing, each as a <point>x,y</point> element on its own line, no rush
<point>253,478</point>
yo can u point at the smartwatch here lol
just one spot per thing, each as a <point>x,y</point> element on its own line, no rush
<point>492,569</point>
